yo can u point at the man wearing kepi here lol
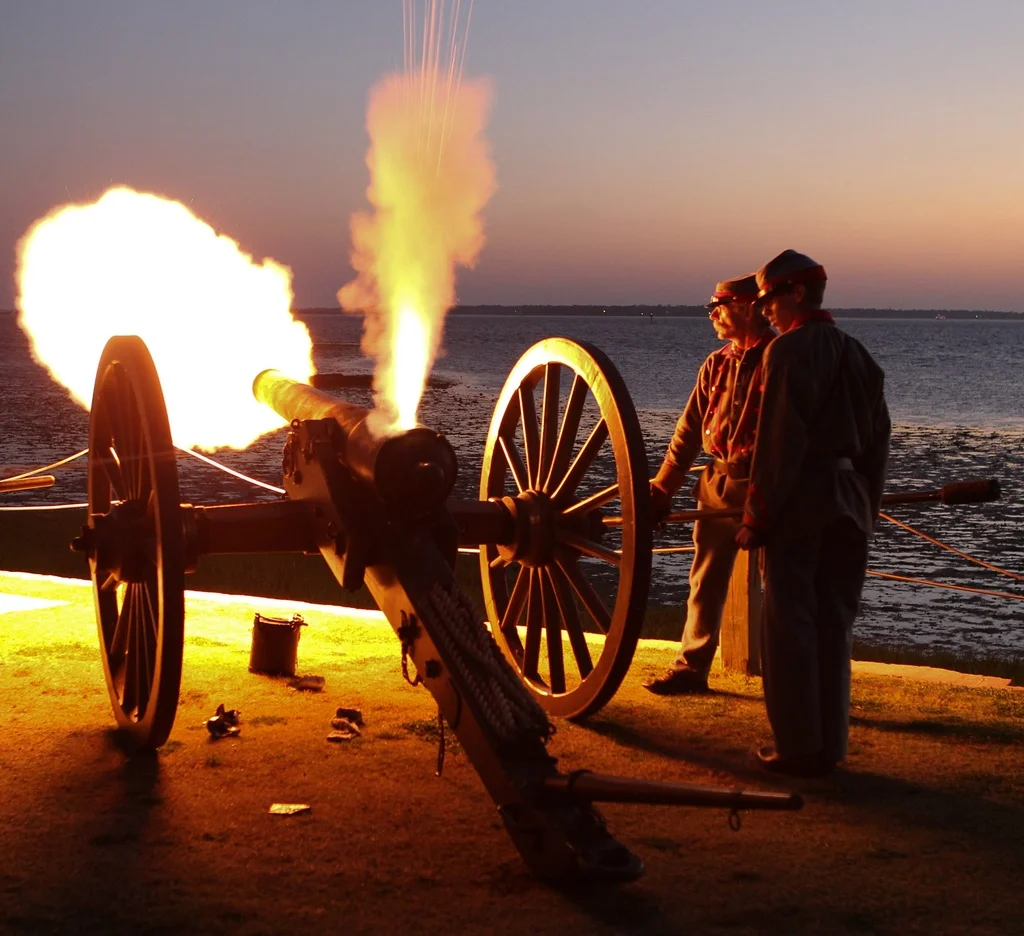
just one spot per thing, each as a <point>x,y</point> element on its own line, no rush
<point>815,491</point>
<point>721,417</point>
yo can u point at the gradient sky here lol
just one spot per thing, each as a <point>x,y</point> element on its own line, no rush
<point>644,148</point>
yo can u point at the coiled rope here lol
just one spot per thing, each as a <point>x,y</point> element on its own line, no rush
<point>501,700</point>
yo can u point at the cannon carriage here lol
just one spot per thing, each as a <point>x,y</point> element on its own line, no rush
<point>378,510</point>
<point>564,532</point>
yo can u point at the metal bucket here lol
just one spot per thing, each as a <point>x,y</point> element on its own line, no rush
<point>275,645</point>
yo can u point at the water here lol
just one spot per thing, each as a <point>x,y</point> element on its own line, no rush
<point>954,391</point>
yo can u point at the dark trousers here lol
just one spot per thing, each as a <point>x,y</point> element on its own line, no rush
<point>812,586</point>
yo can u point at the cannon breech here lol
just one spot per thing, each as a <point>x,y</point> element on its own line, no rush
<point>410,469</point>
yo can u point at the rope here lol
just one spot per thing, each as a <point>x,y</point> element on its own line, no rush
<point>230,471</point>
<point>502,701</point>
<point>56,464</point>
<point>965,588</point>
<point>962,555</point>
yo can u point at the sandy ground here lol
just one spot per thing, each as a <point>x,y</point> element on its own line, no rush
<point>922,831</point>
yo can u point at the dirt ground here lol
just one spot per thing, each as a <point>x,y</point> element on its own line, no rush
<point>921,832</point>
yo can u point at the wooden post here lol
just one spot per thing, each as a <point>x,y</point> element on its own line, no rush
<point>741,618</point>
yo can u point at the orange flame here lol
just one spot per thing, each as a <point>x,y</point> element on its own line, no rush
<point>139,264</point>
<point>431,175</point>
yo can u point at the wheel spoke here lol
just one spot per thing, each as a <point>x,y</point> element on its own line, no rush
<point>591,503</point>
<point>590,598</point>
<point>571,620</point>
<point>548,420</point>
<point>149,588</point>
<point>115,447</point>
<point>514,608</point>
<point>119,642</point>
<point>531,439</point>
<point>134,460</point>
<point>126,434</point>
<point>567,434</point>
<point>534,625</point>
<point>145,667</point>
<point>581,464</point>
<point>143,480</point>
<point>587,547</point>
<point>129,699</point>
<point>553,631</point>
<point>515,463</point>
<point>112,469</point>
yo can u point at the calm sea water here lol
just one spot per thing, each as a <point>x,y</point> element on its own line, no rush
<point>954,387</point>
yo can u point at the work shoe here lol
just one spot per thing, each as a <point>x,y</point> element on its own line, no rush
<point>804,765</point>
<point>678,682</point>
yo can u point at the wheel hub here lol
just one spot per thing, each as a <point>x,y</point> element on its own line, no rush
<point>120,541</point>
<point>535,519</point>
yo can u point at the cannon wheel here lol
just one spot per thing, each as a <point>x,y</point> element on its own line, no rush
<point>137,551</point>
<point>540,592</point>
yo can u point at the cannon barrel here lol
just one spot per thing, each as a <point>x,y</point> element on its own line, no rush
<point>411,469</point>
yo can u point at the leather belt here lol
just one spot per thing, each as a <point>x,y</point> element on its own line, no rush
<point>737,470</point>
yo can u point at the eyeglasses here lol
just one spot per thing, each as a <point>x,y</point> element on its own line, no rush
<point>716,304</point>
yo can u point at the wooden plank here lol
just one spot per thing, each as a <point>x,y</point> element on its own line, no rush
<point>741,617</point>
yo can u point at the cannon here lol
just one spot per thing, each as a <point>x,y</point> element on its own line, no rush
<point>378,510</point>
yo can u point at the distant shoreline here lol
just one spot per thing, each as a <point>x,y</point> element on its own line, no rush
<point>685,311</point>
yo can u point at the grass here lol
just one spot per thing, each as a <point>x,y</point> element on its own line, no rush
<point>99,841</point>
<point>942,659</point>
<point>35,542</point>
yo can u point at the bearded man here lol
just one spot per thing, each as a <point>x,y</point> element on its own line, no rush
<point>720,418</point>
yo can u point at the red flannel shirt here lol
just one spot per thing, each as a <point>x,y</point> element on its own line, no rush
<point>721,414</point>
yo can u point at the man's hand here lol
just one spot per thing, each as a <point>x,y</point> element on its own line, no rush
<point>661,503</point>
<point>748,538</point>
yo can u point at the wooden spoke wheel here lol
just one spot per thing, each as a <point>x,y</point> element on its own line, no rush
<point>135,542</point>
<point>567,597</point>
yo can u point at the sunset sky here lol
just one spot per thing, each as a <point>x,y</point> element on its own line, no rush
<point>644,148</point>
